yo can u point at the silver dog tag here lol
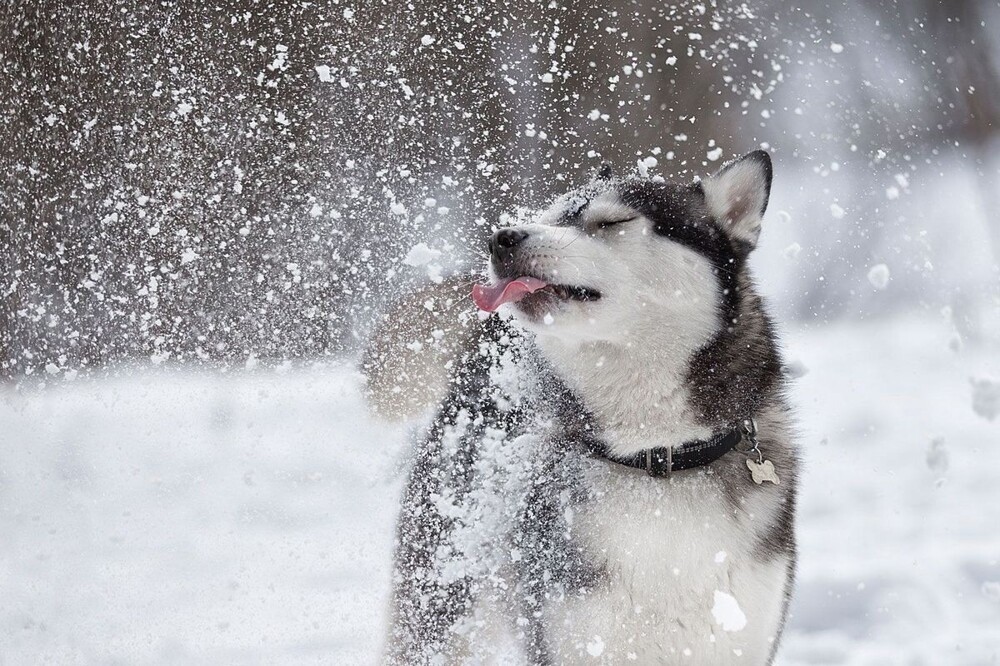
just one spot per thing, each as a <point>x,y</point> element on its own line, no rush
<point>763,471</point>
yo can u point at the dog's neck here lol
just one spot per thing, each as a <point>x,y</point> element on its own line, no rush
<point>636,386</point>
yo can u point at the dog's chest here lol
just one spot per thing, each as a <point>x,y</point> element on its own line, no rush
<point>677,575</point>
<point>636,408</point>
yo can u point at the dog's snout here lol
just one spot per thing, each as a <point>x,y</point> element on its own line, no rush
<point>509,238</point>
<point>503,242</point>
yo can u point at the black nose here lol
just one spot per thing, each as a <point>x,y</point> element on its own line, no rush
<point>504,241</point>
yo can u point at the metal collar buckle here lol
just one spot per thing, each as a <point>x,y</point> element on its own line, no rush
<point>749,444</point>
<point>649,461</point>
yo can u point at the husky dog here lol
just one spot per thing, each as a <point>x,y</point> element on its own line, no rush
<point>611,474</point>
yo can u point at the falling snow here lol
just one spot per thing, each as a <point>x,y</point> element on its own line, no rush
<point>420,254</point>
<point>878,276</point>
<point>792,251</point>
<point>204,212</point>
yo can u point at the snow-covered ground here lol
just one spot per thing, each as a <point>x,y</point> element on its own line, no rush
<point>161,517</point>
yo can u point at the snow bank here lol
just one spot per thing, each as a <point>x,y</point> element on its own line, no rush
<point>195,519</point>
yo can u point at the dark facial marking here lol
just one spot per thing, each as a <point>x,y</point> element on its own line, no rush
<point>679,213</point>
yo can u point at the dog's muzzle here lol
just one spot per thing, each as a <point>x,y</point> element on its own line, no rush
<point>503,248</point>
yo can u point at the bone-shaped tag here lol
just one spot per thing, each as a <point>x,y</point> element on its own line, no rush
<point>763,471</point>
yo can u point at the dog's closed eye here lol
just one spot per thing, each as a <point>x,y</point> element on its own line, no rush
<point>610,223</point>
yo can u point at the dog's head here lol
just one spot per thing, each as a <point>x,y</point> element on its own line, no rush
<point>622,257</point>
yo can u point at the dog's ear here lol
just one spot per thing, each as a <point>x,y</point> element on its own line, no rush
<point>604,173</point>
<point>737,196</point>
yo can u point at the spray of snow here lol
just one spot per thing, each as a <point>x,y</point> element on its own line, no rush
<point>595,648</point>
<point>645,165</point>
<point>324,73</point>
<point>421,254</point>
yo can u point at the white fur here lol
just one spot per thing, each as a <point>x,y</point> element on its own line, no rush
<point>667,546</point>
<point>658,539</point>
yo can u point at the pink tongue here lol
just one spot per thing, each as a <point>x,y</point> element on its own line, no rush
<point>490,297</point>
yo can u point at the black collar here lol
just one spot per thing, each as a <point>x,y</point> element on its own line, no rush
<point>663,460</point>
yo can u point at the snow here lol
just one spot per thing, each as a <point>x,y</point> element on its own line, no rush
<point>878,276</point>
<point>891,565</point>
<point>792,251</point>
<point>323,71</point>
<point>421,254</point>
<point>259,214</point>
<point>645,164</point>
<point>727,612</point>
<point>165,517</point>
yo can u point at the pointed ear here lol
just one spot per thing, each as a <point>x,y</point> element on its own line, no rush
<point>737,195</point>
<point>604,173</point>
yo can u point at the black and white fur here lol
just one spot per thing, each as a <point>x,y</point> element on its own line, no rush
<point>515,543</point>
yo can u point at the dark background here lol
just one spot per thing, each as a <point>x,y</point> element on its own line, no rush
<point>201,182</point>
